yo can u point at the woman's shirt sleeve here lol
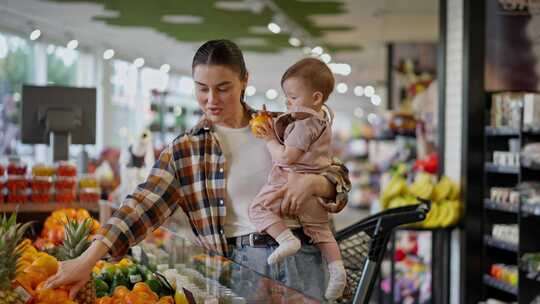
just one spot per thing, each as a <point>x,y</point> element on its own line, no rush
<point>145,209</point>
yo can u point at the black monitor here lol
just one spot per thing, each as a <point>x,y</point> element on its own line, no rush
<point>59,116</point>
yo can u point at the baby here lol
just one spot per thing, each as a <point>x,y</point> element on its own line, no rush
<point>299,141</point>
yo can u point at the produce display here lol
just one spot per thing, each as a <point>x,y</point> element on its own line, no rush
<point>17,188</point>
<point>89,191</point>
<point>11,234</point>
<point>16,183</point>
<point>446,208</point>
<point>505,273</point>
<point>110,279</point>
<point>46,183</point>
<point>16,168</point>
<point>41,184</point>
<point>53,229</point>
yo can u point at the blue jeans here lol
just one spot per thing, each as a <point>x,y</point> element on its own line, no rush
<point>306,271</point>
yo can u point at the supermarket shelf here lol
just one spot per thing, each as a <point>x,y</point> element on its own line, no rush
<point>490,241</point>
<point>501,131</point>
<point>530,209</point>
<point>533,132</point>
<point>490,167</point>
<point>492,282</point>
<point>45,207</point>
<point>505,207</point>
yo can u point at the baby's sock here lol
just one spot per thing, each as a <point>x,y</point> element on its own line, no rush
<point>337,281</point>
<point>288,245</point>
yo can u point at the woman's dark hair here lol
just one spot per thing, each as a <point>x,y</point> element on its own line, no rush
<point>221,52</point>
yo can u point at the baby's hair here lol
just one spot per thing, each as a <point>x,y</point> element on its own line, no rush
<point>314,73</point>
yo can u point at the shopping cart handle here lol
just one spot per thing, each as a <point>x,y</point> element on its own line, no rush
<point>425,205</point>
<point>389,219</point>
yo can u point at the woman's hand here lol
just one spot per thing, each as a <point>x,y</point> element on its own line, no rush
<point>298,190</point>
<point>75,273</point>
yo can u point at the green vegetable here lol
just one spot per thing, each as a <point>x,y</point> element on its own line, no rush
<point>101,286</point>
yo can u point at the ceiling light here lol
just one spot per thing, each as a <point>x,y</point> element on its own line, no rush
<point>250,90</point>
<point>326,58</point>
<point>274,28</point>
<point>72,44</point>
<point>295,42</point>
<point>340,68</point>
<point>369,91</point>
<point>347,69</point>
<point>342,88</point>
<point>271,94</point>
<point>358,91</point>
<point>358,112</point>
<point>35,34</point>
<point>317,50</point>
<point>376,100</point>
<point>139,62</point>
<point>372,118</point>
<point>108,54</point>
<point>165,68</point>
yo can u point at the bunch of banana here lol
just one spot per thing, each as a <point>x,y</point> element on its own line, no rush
<point>396,187</point>
<point>442,214</point>
<point>422,186</point>
<point>446,208</point>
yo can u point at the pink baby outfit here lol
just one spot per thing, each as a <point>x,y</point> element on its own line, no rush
<point>313,135</point>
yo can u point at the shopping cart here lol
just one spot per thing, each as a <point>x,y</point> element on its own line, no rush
<point>363,246</point>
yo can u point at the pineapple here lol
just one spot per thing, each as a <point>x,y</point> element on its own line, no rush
<point>11,234</point>
<point>76,241</point>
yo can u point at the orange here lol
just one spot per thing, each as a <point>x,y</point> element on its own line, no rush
<point>120,292</point>
<point>142,287</point>
<point>36,275</point>
<point>105,300</point>
<point>48,263</point>
<point>260,119</point>
<point>82,214</point>
<point>118,301</point>
<point>95,226</point>
<point>166,300</point>
<point>139,298</point>
<point>61,295</point>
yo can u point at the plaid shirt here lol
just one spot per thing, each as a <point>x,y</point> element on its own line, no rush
<point>190,174</point>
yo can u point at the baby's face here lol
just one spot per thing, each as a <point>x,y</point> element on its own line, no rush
<point>298,93</point>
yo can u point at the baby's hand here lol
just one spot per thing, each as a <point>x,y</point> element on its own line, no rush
<point>266,131</point>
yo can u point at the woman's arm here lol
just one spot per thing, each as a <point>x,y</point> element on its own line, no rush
<point>146,209</point>
<point>333,186</point>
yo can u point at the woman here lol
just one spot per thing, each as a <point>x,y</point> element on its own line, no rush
<point>213,172</point>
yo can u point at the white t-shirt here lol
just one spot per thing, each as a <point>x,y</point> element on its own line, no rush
<point>248,165</point>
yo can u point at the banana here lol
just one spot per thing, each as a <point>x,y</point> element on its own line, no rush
<point>432,216</point>
<point>395,187</point>
<point>454,194</point>
<point>442,189</point>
